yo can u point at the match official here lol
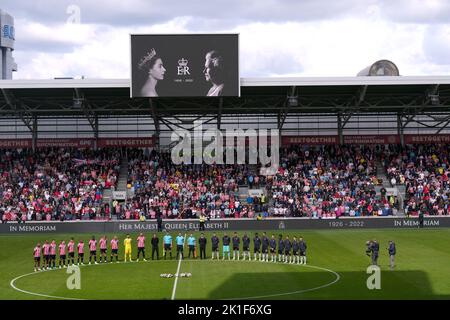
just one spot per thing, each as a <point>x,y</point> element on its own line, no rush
<point>375,251</point>
<point>392,251</point>
<point>180,242</point>
<point>191,244</point>
<point>167,239</point>
<point>155,247</point>
<point>202,244</point>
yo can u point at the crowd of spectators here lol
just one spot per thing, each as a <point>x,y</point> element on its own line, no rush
<point>185,191</point>
<point>318,182</point>
<point>328,182</point>
<point>424,171</point>
<point>55,183</point>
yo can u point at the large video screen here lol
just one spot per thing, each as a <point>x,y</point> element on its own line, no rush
<point>187,65</point>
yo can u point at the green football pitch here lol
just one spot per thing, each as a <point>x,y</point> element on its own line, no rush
<point>336,269</point>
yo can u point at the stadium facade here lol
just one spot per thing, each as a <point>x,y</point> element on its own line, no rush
<point>345,110</point>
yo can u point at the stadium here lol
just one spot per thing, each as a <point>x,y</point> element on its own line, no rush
<point>362,172</point>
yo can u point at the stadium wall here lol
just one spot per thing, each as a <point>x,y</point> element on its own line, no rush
<point>96,227</point>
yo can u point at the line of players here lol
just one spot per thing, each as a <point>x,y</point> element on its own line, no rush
<point>288,251</point>
<point>67,252</point>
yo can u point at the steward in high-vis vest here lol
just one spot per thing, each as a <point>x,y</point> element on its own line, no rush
<point>202,222</point>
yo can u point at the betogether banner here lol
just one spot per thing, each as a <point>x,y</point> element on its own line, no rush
<point>185,65</point>
<point>132,142</point>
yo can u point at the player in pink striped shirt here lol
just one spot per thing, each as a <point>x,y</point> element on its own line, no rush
<point>46,248</point>
<point>53,254</point>
<point>141,246</point>
<point>103,247</point>
<point>80,248</point>
<point>62,254</point>
<point>93,250</point>
<point>115,249</point>
<point>37,257</point>
<point>71,249</point>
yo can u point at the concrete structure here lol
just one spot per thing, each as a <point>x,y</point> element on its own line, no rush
<point>7,38</point>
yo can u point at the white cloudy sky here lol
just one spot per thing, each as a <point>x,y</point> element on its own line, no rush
<point>277,38</point>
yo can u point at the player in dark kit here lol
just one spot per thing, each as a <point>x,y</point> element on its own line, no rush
<point>265,248</point>
<point>287,250</point>
<point>295,248</point>
<point>155,247</point>
<point>236,242</point>
<point>215,246</point>
<point>246,247</point>
<point>280,248</point>
<point>302,247</point>
<point>202,244</point>
<point>226,246</point>
<point>256,246</point>
<point>273,248</point>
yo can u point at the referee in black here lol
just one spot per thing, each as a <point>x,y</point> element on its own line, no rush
<point>155,247</point>
<point>202,245</point>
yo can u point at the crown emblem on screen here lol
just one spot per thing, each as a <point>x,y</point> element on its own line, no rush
<point>183,62</point>
<point>147,58</point>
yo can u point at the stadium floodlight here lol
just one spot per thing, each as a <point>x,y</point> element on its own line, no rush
<point>434,98</point>
<point>293,101</point>
<point>77,103</point>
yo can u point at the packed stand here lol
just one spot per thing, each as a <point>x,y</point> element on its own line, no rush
<point>327,182</point>
<point>55,183</point>
<point>424,171</point>
<point>185,191</point>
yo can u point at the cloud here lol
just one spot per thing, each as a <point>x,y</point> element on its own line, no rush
<point>436,45</point>
<point>416,11</point>
<point>144,12</point>
<point>277,38</point>
<point>92,51</point>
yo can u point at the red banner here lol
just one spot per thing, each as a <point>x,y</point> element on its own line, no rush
<point>78,143</point>
<point>125,142</point>
<point>427,138</point>
<point>330,140</point>
<point>15,144</point>
<point>65,143</point>
<point>373,139</point>
<point>309,140</point>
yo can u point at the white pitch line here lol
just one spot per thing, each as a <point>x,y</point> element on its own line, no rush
<point>34,293</point>
<point>178,271</point>
<point>338,277</point>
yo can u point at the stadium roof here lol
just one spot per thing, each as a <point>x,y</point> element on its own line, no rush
<point>269,96</point>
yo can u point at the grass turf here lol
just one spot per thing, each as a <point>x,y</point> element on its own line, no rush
<point>421,272</point>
